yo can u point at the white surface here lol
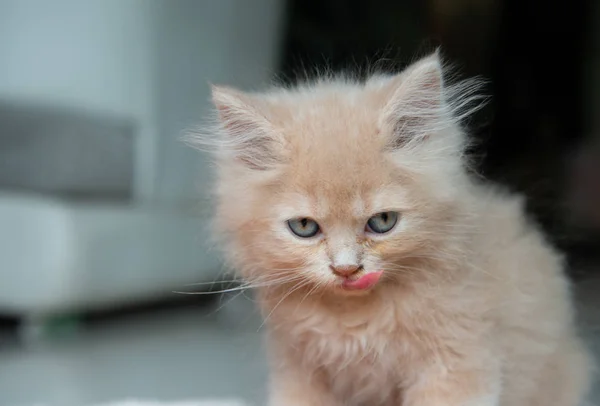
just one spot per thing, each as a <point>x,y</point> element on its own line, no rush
<point>58,256</point>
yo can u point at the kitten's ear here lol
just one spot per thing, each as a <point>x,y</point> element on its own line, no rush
<point>247,134</point>
<point>417,107</point>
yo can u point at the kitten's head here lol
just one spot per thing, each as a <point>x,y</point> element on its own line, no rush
<point>340,185</point>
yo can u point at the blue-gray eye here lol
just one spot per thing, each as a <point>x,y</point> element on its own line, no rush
<point>382,222</point>
<point>304,227</point>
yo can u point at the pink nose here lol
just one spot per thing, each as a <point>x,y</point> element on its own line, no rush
<point>345,270</point>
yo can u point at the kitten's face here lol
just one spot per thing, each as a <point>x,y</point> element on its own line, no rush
<point>344,233</point>
<point>332,188</point>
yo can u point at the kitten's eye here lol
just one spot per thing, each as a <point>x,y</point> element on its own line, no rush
<point>304,227</point>
<point>382,222</point>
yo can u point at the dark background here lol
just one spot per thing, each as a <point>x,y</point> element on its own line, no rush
<point>534,136</point>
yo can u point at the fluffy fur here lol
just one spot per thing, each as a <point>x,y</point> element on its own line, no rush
<point>472,309</point>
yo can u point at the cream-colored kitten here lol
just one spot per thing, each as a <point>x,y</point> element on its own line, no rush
<point>386,274</point>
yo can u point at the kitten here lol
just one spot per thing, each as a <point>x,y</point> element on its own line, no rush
<point>386,274</point>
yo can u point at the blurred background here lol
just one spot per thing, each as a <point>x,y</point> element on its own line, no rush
<point>104,211</point>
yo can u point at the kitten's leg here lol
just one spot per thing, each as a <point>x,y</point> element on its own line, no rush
<point>293,388</point>
<point>455,385</point>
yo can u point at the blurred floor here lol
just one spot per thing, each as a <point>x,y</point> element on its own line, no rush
<point>174,354</point>
<point>171,354</point>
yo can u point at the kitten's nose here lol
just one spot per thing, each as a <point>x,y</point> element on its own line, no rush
<point>345,270</point>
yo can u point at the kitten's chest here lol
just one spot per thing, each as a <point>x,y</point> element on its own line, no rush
<point>361,362</point>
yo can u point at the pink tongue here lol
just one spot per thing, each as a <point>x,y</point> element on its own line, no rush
<point>364,282</point>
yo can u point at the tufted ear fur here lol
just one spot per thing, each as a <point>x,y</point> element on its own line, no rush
<point>246,134</point>
<point>421,106</point>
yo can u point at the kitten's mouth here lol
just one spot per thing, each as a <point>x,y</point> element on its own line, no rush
<point>363,282</point>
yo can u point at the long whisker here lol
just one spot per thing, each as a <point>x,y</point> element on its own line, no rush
<point>215,292</point>
<point>266,281</point>
<point>213,282</point>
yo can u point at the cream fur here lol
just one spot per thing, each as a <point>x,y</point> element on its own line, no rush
<point>473,308</point>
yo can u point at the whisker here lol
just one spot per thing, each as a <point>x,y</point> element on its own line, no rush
<point>213,292</point>
<point>213,282</point>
